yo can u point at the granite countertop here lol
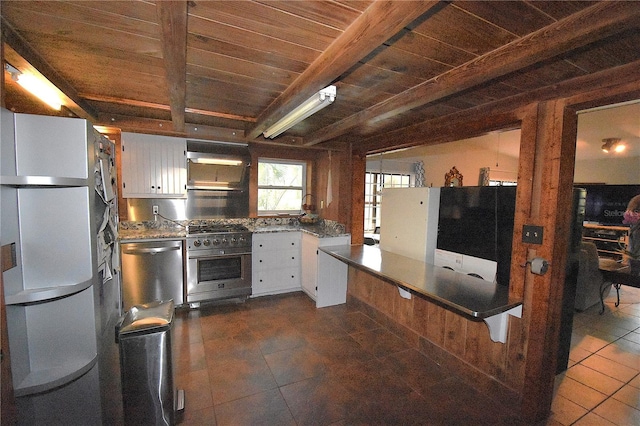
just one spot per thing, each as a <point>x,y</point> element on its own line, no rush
<point>151,230</point>
<point>315,230</point>
<point>152,234</point>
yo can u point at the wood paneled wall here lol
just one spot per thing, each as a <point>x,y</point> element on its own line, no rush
<point>452,340</point>
<point>523,369</point>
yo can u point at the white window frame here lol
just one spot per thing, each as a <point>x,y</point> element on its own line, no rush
<point>302,188</point>
<point>374,183</point>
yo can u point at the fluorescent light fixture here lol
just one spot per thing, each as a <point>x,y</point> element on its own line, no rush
<point>38,87</point>
<point>312,105</point>
<point>217,161</point>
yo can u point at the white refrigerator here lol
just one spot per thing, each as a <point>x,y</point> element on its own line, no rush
<point>59,216</point>
<point>409,222</point>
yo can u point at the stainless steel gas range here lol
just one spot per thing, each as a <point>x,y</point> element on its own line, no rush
<point>218,262</point>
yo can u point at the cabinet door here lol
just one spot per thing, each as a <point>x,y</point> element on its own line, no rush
<point>332,281</point>
<point>137,168</point>
<point>309,264</point>
<point>332,274</point>
<point>170,168</point>
<point>153,166</point>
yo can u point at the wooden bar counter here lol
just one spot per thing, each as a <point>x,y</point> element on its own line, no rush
<point>466,295</point>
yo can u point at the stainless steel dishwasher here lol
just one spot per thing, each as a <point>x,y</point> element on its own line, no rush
<point>152,271</point>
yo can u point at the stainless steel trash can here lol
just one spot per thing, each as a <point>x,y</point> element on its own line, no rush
<point>146,365</point>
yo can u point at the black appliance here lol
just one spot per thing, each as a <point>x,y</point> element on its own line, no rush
<point>218,262</point>
<point>478,221</point>
<point>606,204</point>
<point>571,278</point>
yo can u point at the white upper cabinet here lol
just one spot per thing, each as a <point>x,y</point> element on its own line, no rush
<point>153,166</point>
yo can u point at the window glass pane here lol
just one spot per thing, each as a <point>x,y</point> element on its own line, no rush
<point>279,199</point>
<point>281,185</point>
<point>374,182</point>
<point>280,174</point>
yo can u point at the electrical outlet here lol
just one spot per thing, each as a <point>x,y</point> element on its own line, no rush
<point>155,209</point>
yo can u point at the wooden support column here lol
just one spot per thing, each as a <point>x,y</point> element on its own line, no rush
<point>545,186</point>
<point>356,225</point>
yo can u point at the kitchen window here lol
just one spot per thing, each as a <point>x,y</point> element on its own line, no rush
<point>281,185</point>
<point>373,185</point>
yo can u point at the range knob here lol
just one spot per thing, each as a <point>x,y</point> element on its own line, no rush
<point>206,242</point>
<point>241,239</point>
<point>233,240</point>
<point>196,243</point>
<point>216,241</point>
<point>224,241</point>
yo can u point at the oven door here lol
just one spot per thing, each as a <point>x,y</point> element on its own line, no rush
<point>216,276</point>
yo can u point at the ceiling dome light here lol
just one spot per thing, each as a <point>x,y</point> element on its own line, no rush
<point>612,144</point>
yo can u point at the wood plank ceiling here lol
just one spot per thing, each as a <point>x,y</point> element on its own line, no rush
<point>226,70</point>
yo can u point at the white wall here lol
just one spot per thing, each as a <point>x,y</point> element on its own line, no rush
<point>468,156</point>
<point>612,171</point>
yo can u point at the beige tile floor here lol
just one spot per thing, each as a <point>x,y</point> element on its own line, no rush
<point>602,384</point>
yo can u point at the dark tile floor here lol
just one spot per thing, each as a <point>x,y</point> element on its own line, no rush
<point>280,361</point>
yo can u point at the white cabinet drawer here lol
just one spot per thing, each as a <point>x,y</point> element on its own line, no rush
<point>276,281</point>
<point>267,260</point>
<point>275,263</point>
<point>276,241</point>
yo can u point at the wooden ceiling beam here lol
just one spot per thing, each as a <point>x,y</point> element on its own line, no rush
<point>163,107</point>
<point>24,49</point>
<point>377,24</point>
<point>594,23</point>
<point>172,18</point>
<point>619,83</point>
<point>165,127</point>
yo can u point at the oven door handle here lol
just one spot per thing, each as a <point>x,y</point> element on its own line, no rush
<point>215,256</point>
<point>150,250</point>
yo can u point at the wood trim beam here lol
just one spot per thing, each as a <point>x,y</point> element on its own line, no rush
<point>381,21</point>
<point>165,127</point>
<point>550,146</point>
<point>589,25</point>
<point>24,49</point>
<point>172,18</point>
<point>164,107</point>
<point>615,81</point>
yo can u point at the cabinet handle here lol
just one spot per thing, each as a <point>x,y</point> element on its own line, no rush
<point>260,260</point>
<point>292,257</point>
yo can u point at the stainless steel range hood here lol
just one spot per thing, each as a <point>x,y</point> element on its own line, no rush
<point>217,166</point>
<point>217,180</point>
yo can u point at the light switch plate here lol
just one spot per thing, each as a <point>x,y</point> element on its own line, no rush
<point>532,234</point>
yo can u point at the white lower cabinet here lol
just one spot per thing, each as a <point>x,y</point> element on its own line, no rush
<point>275,264</point>
<point>289,261</point>
<point>324,278</point>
